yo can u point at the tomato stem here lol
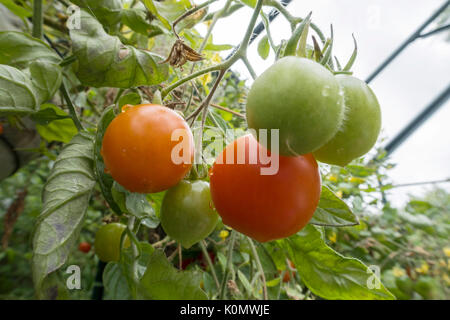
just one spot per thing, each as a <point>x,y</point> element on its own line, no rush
<point>260,268</point>
<point>223,285</point>
<point>240,52</point>
<point>210,264</point>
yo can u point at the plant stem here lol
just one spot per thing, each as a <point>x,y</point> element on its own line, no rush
<point>226,64</point>
<point>249,67</point>
<point>293,20</point>
<point>210,264</point>
<point>131,227</point>
<point>260,268</point>
<point>265,20</point>
<point>216,17</point>
<point>72,111</point>
<point>188,13</point>
<point>228,266</point>
<point>161,242</point>
<point>38,19</point>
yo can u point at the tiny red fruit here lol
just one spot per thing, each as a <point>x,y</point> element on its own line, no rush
<point>84,247</point>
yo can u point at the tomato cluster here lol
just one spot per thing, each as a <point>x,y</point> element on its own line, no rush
<point>317,115</point>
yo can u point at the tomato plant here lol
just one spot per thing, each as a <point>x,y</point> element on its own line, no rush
<point>107,241</point>
<point>302,99</point>
<point>187,213</point>
<point>361,126</point>
<point>138,148</point>
<point>264,207</point>
<point>126,113</point>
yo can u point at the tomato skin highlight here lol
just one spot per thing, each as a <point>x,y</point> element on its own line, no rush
<point>84,247</point>
<point>187,214</point>
<point>137,148</point>
<point>107,241</point>
<point>299,97</point>
<point>265,207</point>
<point>361,127</point>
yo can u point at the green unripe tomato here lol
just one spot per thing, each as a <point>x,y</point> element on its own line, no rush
<point>299,97</point>
<point>360,128</point>
<point>187,212</point>
<point>107,241</point>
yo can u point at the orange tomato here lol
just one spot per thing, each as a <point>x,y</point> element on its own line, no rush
<point>148,148</point>
<point>264,207</point>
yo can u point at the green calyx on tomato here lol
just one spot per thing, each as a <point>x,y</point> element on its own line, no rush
<point>187,213</point>
<point>264,207</point>
<point>107,241</point>
<point>360,128</point>
<point>302,99</point>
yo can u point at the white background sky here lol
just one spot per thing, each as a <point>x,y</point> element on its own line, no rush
<point>404,88</point>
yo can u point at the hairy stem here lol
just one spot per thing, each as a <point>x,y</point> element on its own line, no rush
<point>260,268</point>
<point>228,266</point>
<point>210,264</point>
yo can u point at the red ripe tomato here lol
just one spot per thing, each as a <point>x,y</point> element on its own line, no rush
<point>148,148</point>
<point>264,207</point>
<point>1,129</point>
<point>84,247</point>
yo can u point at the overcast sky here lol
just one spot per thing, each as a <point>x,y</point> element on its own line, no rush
<point>408,85</point>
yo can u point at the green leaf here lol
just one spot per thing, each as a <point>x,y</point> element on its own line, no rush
<point>118,276</point>
<point>17,93</point>
<point>104,180</point>
<point>327,273</point>
<point>65,198</point>
<point>156,201</point>
<point>108,12</point>
<point>132,98</point>
<point>162,281</point>
<point>29,73</point>
<point>16,9</point>
<point>332,211</point>
<point>103,61</point>
<point>217,47</point>
<point>136,20</point>
<point>19,50</point>
<point>46,77</point>
<point>47,115</point>
<point>250,3</point>
<point>138,205</point>
<point>61,128</point>
<point>150,5</point>
<point>264,47</point>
